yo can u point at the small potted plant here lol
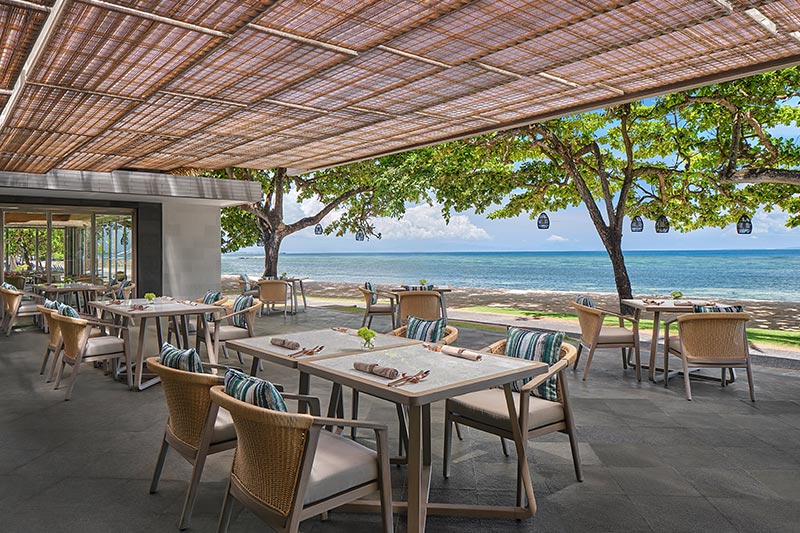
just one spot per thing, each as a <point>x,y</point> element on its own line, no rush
<point>423,281</point>
<point>150,297</point>
<point>367,335</point>
<point>283,275</point>
<point>676,294</point>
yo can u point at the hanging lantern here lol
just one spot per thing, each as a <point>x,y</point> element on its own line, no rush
<point>318,229</point>
<point>543,222</point>
<point>360,235</point>
<point>744,226</point>
<point>662,225</point>
<point>637,225</point>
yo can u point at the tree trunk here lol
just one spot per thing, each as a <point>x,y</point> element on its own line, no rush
<point>272,248</point>
<point>623,282</point>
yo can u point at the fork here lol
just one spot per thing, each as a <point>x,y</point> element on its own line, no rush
<point>307,351</point>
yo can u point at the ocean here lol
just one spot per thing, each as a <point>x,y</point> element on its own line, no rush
<point>749,274</point>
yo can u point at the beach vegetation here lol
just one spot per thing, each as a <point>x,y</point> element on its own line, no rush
<point>351,194</point>
<point>684,156</point>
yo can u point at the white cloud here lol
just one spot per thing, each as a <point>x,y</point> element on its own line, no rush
<point>426,222</point>
<point>557,238</point>
<point>773,223</point>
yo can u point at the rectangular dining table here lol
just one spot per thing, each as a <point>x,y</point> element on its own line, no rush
<point>450,376</point>
<point>90,291</point>
<point>336,341</point>
<point>140,309</point>
<point>441,290</point>
<point>659,307</point>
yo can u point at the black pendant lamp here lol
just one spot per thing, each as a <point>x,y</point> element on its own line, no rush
<point>318,229</point>
<point>744,226</point>
<point>543,222</point>
<point>662,225</point>
<point>360,235</point>
<point>637,225</point>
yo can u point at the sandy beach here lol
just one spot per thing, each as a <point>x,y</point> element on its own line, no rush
<point>766,314</point>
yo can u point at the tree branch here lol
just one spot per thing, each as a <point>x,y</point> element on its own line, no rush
<point>764,175</point>
<point>316,219</point>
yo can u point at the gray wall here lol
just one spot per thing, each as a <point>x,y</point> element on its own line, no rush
<point>191,249</point>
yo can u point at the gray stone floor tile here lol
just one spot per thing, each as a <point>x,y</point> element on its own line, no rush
<point>784,483</point>
<point>660,480</point>
<point>730,482</point>
<point>681,514</point>
<point>749,515</point>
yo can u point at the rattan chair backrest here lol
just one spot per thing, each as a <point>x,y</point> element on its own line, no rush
<point>188,400</point>
<point>11,299</point>
<point>710,336</point>
<point>15,280</point>
<point>272,290</point>
<point>73,333</point>
<point>53,327</point>
<point>590,319</point>
<point>421,304</point>
<point>367,295</point>
<point>270,451</point>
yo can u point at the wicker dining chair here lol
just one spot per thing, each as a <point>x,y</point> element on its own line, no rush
<point>287,468</point>
<point>487,410</point>
<point>275,291</point>
<point>80,347</point>
<point>710,340</point>
<point>378,309</point>
<point>421,304</point>
<point>595,335</point>
<point>196,427</point>
<point>14,308</point>
<point>175,327</point>
<point>224,330</point>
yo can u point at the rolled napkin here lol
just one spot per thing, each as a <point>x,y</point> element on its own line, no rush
<point>285,343</point>
<point>378,370</point>
<point>462,353</point>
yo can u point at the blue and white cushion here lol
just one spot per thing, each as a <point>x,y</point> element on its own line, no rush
<point>52,304</point>
<point>210,298</point>
<point>9,286</point>
<point>69,311</point>
<point>535,346</point>
<point>187,360</point>
<point>122,284</point>
<point>428,287</point>
<point>425,330</point>
<point>246,280</point>
<point>374,295</point>
<point>242,302</point>
<point>585,301</point>
<point>718,309</point>
<point>253,390</point>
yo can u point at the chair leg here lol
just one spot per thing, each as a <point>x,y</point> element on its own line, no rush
<point>364,319</point>
<point>577,357</point>
<point>354,413</point>
<point>503,445</point>
<point>73,378</point>
<point>624,359</point>
<point>666,367</point>
<point>732,373</point>
<point>191,494</point>
<point>51,372</point>
<point>385,481</point>
<point>458,431</point>
<point>60,373</point>
<point>448,441</point>
<point>750,381</point>
<point>686,380</point>
<point>403,430</point>
<point>638,360</point>
<point>162,455</point>
<point>722,379</point>
<point>239,356</point>
<point>369,322</point>
<point>225,516</point>
<point>44,361</point>
<point>225,352</point>
<point>576,456</point>
<point>588,363</point>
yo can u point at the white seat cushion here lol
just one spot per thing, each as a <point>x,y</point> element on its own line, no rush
<point>26,307</point>
<point>615,335</point>
<point>104,345</point>
<point>489,407</point>
<point>339,464</point>
<point>227,333</point>
<point>382,308</point>
<point>224,429</point>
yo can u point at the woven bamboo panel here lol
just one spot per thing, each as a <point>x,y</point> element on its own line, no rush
<point>172,115</point>
<point>259,120</point>
<point>104,51</point>
<point>253,65</point>
<point>219,161</point>
<point>203,145</point>
<point>11,162</point>
<point>161,161</point>
<point>44,143</point>
<point>269,144</point>
<point>131,145</point>
<point>18,30</point>
<point>786,14</point>
<point>97,162</point>
<point>221,15</point>
<point>72,112</point>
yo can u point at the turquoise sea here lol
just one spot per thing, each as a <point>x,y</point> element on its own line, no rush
<point>751,274</point>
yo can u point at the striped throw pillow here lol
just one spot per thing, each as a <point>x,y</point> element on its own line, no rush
<point>52,304</point>
<point>253,390</point>
<point>425,330</point>
<point>246,280</point>
<point>187,360</point>
<point>535,346</point>
<point>718,309</point>
<point>585,301</point>
<point>122,284</point>
<point>66,310</point>
<point>210,298</point>
<point>374,295</point>
<point>241,303</point>
<point>9,286</point>
<point>428,287</point>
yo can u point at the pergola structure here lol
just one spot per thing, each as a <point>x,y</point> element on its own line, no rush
<point>96,85</point>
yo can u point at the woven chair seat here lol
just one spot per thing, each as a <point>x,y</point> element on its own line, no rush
<point>339,464</point>
<point>615,335</point>
<point>489,407</point>
<point>224,429</point>
<point>104,345</point>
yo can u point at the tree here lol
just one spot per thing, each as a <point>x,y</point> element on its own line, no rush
<point>358,192</point>
<point>677,155</point>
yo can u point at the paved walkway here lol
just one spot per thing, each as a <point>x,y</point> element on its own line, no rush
<point>652,461</point>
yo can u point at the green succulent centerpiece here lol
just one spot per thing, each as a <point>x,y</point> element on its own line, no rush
<point>676,294</point>
<point>423,281</point>
<point>150,296</point>
<point>368,336</point>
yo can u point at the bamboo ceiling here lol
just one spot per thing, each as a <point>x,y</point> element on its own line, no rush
<point>159,85</point>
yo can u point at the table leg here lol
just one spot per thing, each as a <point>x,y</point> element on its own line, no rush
<point>254,366</point>
<point>303,294</point>
<point>140,384</point>
<point>444,305</point>
<point>159,334</point>
<point>294,298</point>
<point>211,345</point>
<point>418,472</point>
<point>303,387</point>
<point>654,345</point>
<point>184,331</point>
